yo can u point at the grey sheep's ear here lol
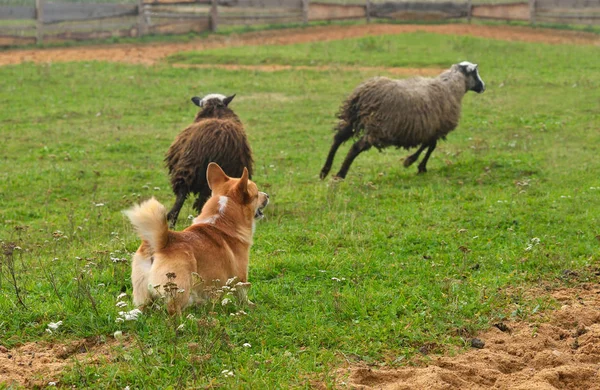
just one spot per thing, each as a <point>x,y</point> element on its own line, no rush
<point>197,101</point>
<point>228,100</point>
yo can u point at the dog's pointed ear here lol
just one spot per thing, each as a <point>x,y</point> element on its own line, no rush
<point>243,183</point>
<point>215,175</point>
<point>228,100</point>
<point>197,101</point>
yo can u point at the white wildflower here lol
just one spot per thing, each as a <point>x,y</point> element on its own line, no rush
<point>157,188</point>
<point>180,327</point>
<point>227,373</point>
<point>130,315</point>
<point>225,301</point>
<point>51,383</point>
<point>119,319</point>
<point>246,345</point>
<point>121,304</point>
<point>118,335</point>
<point>122,295</point>
<point>99,204</point>
<point>190,316</point>
<point>48,331</point>
<point>54,325</point>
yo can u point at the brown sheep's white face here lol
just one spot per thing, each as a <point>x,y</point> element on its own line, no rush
<point>201,102</point>
<point>474,82</point>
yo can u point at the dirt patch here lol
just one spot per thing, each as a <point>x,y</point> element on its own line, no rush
<point>322,68</point>
<point>38,364</point>
<point>150,54</point>
<point>559,351</point>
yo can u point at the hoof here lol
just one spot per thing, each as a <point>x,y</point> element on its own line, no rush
<point>422,171</point>
<point>408,161</point>
<point>338,178</point>
<point>323,175</point>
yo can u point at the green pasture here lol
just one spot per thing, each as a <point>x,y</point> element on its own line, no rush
<point>366,270</point>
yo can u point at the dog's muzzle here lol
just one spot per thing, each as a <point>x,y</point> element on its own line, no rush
<point>259,211</point>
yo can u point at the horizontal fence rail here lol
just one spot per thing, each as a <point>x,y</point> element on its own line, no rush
<point>46,21</point>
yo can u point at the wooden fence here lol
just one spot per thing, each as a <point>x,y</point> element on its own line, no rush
<point>50,21</point>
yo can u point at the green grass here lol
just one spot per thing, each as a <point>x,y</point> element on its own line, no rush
<point>424,259</point>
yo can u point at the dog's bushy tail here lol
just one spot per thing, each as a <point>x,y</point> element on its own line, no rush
<point>149,220</point>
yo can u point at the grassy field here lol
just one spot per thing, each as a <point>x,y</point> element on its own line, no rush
<point>369,269</point>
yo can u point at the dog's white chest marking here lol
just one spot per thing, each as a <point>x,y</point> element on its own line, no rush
<point>222,204</point>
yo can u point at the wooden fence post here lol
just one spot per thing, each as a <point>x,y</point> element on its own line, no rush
<point>368,11</point>
<point>39,24</point>
<point>214,16</point>
<point>305,6</point>
<point>141,19</point>
<point>532,11</point>
<point>469,10</point>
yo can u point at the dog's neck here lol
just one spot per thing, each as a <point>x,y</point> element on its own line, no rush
<point>215,213</point>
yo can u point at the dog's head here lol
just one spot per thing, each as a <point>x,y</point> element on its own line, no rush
<point>242,191</point>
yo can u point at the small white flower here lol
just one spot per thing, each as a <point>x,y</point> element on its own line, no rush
<point>126,388</point>
<point>118,335</point>
<point>322,270</point>
<point>122,295</point>
<point>535,240</point>
<point>246,345</point>
<point>99,204</point>
<point>180,327</point>
<point>225,301</point>
<point>17,248</point>
<point>51,383</point>
<point>101,285</point>
<point>54,325</point>
<point>229,281</point>
<point>121,304</point>
<point>529,247</point>
<point>227,373</point>
<point>48,331</point>
<point>119,319</point>
<point>157,188</point>
<point>338,279</point>
<point>130,315</point>
<point>190,316</point>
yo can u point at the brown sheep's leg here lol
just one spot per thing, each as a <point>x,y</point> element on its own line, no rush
<point>423,164</point>
<point>408,161</point>
<point>359,146</point>
<point>200,200</point>
<point>174,213</point>
<point>340,137</point>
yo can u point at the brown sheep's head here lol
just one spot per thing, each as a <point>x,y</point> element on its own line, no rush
<point>212,99</point>
<point>474,82</point>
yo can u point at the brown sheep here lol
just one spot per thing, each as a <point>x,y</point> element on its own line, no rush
<point>217,135</point>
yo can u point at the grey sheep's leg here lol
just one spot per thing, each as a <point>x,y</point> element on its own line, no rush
<point>423,164</point>
<point>174,213</point>
<point>408,161</point>
<point>359,146</point>
<point>340,137</point>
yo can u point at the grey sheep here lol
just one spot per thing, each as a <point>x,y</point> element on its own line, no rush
<point>403,113</point>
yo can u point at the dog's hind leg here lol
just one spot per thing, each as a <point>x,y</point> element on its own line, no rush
<point>140,268</point>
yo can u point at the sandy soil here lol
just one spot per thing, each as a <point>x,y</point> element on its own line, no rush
<point>149,54</point>
<point>560,350</point>
<point>35,365</point>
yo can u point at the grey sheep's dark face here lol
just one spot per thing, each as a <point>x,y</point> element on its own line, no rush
<point>474,82</point>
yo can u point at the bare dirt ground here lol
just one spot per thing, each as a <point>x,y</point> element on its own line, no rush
<point>36,365</point>
<point>150,54</point>
<point>557,350</point>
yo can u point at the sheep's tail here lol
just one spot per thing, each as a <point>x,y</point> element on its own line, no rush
<point>149,220</point>
<point>349,124</point>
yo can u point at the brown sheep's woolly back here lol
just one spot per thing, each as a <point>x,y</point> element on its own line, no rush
<point>383,112</point>
<point>217,135</point>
